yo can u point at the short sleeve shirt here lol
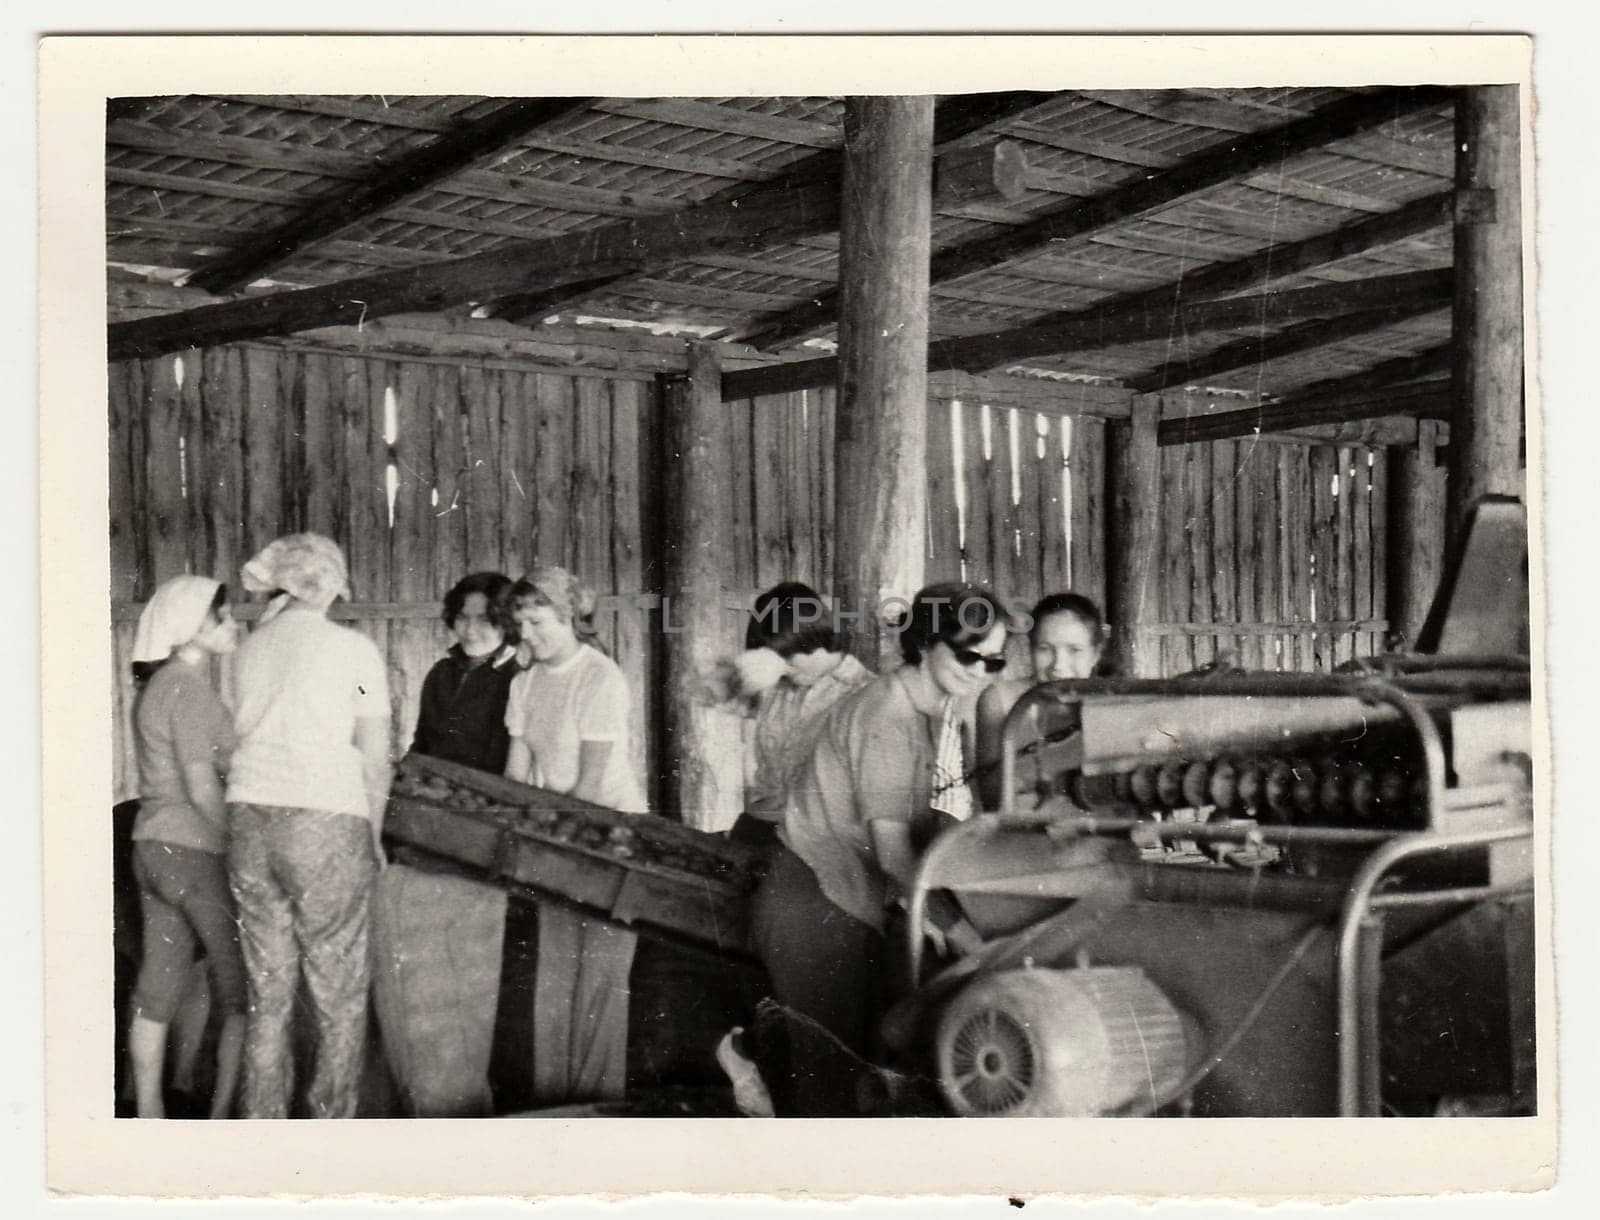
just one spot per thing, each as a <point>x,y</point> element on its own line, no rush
<point>302,682</point>
<point>180,722</point>
<point>556,708</point>
<point>873,760</point>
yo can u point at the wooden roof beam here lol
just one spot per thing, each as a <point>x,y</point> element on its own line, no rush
<point>387,186</point>
<point>628,247</point>
<point>1101,329</point>
<point>1260,349</point>
<point>1238,159</point>
<point>957,121</point>
<point>1427,398</point>
<point>1279,262</point>
<point>1397,371</point>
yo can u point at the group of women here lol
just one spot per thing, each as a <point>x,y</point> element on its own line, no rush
<point>868,779</point>
<point>259,834</point>
<point>259,831</point>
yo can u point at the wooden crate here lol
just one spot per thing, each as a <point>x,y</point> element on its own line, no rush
<point>633,868</point>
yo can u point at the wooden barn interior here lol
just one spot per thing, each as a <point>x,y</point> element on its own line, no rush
<point>1236,364</point>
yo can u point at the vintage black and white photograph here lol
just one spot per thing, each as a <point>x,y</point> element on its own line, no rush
<point>875,605</point>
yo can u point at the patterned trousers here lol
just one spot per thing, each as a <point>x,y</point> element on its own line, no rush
<point>303,882</point>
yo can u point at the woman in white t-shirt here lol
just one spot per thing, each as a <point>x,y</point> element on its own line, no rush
<point>568,720</point>
<point>307,789</point>
<point>568,713</point>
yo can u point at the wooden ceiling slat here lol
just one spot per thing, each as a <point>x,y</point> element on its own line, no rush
<point>344,108</point>
<point>237,150</point>
<point>404,179</point>
<point>1192,109</point>
<point>628,154</point>
<point>1122,154</point>
<point>1299,188</point>
<point>178,184</point>
<point>1380,149</point>
<point>1145,196</point>
<point>685,112</point>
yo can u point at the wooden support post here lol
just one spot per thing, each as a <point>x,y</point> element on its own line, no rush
<point>880,511</point>
<point>701,757</point>
<point>1133,466</point>
<point>1416,543</point>
<point>1487,424</point>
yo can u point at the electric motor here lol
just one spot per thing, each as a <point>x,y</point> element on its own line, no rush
<point>1064,1043</point>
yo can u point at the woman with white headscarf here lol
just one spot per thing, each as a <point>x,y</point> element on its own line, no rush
<point>306,796</point>
<point>184,738</point>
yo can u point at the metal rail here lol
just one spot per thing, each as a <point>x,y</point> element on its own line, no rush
<point>1359,921</point>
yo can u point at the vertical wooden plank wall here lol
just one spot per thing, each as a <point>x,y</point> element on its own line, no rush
<point>1272,555</point>
<point>495,468</point>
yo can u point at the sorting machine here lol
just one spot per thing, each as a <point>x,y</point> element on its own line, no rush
<point>1255,893</point>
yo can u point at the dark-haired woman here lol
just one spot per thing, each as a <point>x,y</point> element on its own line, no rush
<point>185,736</point>
<point>1065,641</point>
<point>462,716</point>
<point>795,668</point>
<point>862,808</point>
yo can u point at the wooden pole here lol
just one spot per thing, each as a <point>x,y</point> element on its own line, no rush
<point>1133,469</point>
<point>1487,423</point>
<point>700,757</point>
<point>880,511</point>
<point>1417,518</point>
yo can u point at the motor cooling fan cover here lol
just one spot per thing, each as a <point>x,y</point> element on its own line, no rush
<point>1064,1043</point>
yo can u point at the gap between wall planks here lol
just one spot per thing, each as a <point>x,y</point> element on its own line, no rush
<point>541,467</point>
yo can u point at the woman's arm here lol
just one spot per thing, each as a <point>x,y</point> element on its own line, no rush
<point>891,844</point>
<point>592,759</point>
<point>519,761</point>
<point>203,787</point>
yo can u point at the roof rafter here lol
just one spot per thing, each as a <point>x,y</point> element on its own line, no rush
<point>956,121</point>
<point>1278,262</point>
<point>1426,398</point>
<point>1263,348</point>
<point>628,247</point>
<point>1099,329</point>
<point>414,173</point>
<point>1235,159</point>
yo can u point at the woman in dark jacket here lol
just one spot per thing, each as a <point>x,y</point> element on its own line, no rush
<point>462,716</point>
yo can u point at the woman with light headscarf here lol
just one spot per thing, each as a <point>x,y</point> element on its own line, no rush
<point>184,738</point>
<point>306,796</point>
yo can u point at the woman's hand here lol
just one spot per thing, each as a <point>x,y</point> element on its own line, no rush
<point>759,670</point>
